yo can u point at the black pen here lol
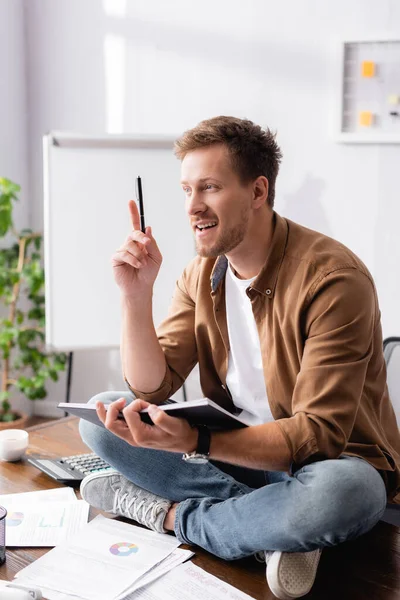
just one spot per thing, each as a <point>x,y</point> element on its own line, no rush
<point>139,196</point>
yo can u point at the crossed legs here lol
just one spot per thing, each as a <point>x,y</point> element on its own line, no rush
<point>234,512</point>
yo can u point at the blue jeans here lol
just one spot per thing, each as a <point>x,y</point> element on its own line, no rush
<point>234,512</point>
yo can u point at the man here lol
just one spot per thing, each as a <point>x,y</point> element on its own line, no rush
<point>285,325</point>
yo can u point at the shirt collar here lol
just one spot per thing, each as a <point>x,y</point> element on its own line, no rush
<point>265,281</point>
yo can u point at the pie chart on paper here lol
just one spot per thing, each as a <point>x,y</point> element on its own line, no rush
<point>123,549</point>
<point>14,519</point>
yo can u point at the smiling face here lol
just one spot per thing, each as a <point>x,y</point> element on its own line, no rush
<point>219,205</point>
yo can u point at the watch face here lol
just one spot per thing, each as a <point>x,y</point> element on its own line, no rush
<point>198,459</point>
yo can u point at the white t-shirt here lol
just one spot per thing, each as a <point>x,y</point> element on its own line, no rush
<point>245,377</point>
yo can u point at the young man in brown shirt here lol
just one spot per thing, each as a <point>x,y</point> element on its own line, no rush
<point>285,326</point>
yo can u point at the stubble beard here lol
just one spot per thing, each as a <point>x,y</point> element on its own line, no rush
<point>227,241</point>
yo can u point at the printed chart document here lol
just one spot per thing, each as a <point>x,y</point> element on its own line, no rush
<point>176,558</point>
<point>106,557</point>
<point>188,582</point>
<point>44,524</point>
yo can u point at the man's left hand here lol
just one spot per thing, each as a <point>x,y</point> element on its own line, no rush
<point>168,433</point>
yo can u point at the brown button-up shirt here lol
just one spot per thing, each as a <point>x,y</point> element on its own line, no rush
<point>317,314</point>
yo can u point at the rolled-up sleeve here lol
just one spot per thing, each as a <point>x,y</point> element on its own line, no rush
<point>339,320</point>
<point>177,338</point>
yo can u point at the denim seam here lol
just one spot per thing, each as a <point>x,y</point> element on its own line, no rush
<point>225,477</point>
<point>178,529</point>
<point>218,473</point>
<point>177,524</point>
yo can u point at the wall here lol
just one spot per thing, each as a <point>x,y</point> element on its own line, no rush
<point>14,162</point>
<point>148,66</point>
<point>13,102</point>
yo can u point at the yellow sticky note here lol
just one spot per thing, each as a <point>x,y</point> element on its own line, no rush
<point>365,118</point>
<point>367,68</point>
<point>393,99</point>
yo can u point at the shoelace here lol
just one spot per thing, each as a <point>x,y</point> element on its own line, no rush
<point>133,511</point>
<point>260,556</point>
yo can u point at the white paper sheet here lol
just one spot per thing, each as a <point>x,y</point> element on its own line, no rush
<point>176,558</point>
<point>44,524</point>
<point>189,582</point>
<point>101,561</point>
<point>48,593</point>
<point>64,494</point>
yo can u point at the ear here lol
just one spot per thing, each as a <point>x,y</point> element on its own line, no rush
<point>260,191</point>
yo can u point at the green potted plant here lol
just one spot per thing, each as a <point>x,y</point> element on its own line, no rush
<point>25,366</point>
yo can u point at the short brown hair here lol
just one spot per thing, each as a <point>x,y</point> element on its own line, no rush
<point>253,150</point>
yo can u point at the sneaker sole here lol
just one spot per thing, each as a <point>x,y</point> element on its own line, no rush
<point>299,588</point>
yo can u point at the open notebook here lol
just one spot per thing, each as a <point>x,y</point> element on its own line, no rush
<point>197,412</point>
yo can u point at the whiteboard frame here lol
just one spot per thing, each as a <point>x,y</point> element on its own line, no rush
<point>356,138</point>
<point>78,140</point>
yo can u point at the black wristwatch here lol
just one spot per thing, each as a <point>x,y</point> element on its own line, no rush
<point>201,455</point>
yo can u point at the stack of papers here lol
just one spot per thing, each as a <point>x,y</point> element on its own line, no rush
<point>106,560</point>
<point>45,518</point>
<point>189,582</point>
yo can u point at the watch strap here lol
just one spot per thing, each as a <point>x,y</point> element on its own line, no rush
<point>204,440</point>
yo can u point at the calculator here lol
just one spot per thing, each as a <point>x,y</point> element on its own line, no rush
<point>70,469</point>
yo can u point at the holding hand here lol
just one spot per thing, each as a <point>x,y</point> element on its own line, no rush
<point>168,433</point>
<point>137,262</point>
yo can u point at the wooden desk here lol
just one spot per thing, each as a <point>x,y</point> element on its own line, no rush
<point>366,569</point>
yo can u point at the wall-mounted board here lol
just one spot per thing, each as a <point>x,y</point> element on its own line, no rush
<point>370,91</point>
<point>88,181</point>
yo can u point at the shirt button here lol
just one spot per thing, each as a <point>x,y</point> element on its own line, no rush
<point>268,292</point>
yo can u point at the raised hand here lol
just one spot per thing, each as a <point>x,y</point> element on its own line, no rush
<point>137,262</point>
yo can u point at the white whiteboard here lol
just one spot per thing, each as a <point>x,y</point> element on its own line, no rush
<point>88,182</point>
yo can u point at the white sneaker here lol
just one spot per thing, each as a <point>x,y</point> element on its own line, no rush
<point>291,574</point>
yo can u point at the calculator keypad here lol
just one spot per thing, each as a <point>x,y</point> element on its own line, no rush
<point>85,463</point>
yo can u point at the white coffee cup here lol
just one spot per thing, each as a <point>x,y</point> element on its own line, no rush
<point>13,443</point>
